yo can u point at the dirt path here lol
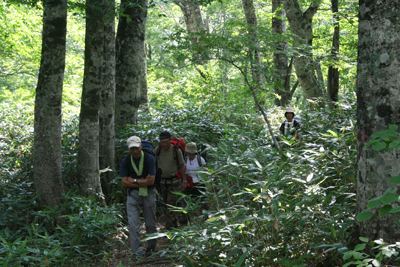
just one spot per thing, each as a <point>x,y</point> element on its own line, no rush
<point>122,256</point>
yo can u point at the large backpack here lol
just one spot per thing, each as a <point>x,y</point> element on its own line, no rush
<point>148,147</point>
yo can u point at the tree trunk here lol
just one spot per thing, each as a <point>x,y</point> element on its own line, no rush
<point>107,102</point>
<point>129,52</point>
<point>301,27</point>
<point>378,101</point>
<point>333,72</point>
<point>281,60</point>
<point>254,47</point>
<point>88,157</point>
<point>144,98</point>
<point>195,26</point>
<point>47,150</point>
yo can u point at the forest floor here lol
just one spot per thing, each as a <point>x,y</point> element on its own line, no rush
<point>122,256</point>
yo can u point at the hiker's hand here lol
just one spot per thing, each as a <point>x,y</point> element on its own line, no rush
<point>183,187</point>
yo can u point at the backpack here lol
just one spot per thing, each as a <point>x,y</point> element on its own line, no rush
<point>203,152</point>
<point>148,147</point>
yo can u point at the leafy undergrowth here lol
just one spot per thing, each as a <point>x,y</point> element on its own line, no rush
<point>268,207</point>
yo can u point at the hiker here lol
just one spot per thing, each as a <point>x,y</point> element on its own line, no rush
<point>194,163</point>
<point>137,173</point>
<point>172,165</point>
<point>290,126</point>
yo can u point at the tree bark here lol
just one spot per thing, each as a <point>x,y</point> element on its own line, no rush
<point>47,150</point>
<point>195,26</point>
<point>378,101</point>
<point>254,47</point>
<point>107,102</point>
<point>333,72</point>
<point>281,60</point>
<point>301,27</point>
<point>88,156</point>
<point>129,53</point>
<point>144,98</point>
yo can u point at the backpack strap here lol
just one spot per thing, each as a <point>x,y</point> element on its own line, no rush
<point>199,159</point>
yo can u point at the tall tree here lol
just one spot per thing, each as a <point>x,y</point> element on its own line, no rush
<point>143,79</point>
<point>283,71</point>
<point>107,101</point>
<point>301,27</point>
<point>378,101</point>
<point>195,26</point>
<point>254,49</point>
<point>333,72</point>
<point>47,151</point>
<point>129,52</point>
<point>88,156</point>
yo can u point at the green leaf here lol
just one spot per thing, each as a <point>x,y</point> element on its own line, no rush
<point>363,216</point>
<point>241,259</point>
<point>213,219</point>
<point>333,133</point>
<point>360,247</point>
<point>393,127</point>
<point>389,198</point>
<point>363,239</point>
<point>375,202</point>
<point>395,179</point>
<point>395,210</point>
<point>379,146</point>
<point>385,210</point>
<point>333,230</point>
<point>390,189</point>
<point>394,144</point>
<point>390,133</point>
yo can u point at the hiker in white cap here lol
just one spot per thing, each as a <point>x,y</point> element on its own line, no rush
<point>137,173</point>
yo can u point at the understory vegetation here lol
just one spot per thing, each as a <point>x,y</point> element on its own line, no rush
<point>269,207</point>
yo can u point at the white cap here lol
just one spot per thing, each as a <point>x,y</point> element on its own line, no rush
<point>133,141</point>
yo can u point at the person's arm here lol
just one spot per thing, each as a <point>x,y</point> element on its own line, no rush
<point>130,182</point>
<point>182,168</point>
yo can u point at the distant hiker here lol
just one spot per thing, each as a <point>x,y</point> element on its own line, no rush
<point>137,174</point>
<point>290,126</point>
<point>194,163</point>
<point>172,164</point>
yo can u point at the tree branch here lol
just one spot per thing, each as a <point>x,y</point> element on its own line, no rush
<point>253,90</point>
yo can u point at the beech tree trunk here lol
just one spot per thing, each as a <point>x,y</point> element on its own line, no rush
<point>281,87</point>
<point>195,26</point>
<point>378,102</point>
<point>301,27</point>
<point>88,156</point>
<point>129,53</point>
<point>107,102</point>
<point>144,98</point>
<point>47,150</point>
<point>254,47</point>
<point>333,72</point>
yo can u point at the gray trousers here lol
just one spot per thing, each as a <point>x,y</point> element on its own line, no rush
<point>134,205</point>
